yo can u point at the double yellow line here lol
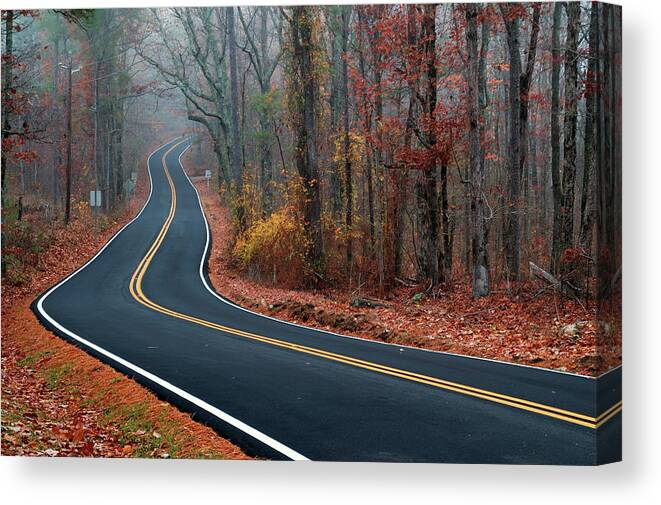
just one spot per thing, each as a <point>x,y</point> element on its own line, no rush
<point>135,288</point>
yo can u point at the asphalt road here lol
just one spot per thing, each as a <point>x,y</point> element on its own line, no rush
<point>283,391</point>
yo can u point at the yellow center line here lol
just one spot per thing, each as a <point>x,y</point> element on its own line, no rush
<point>135,288</point>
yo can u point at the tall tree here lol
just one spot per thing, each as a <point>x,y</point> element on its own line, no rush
<point>556,63</point>
<point>204,90</point>
<point>334,23</point>
<point>426,189</point>
<point>609,166</point>
<point>589,158</point>
<point>304,97</point>
<point>526,165</point>
<point>512,235</point>
<point>348,176</point>
<point>519,98</point>
<point>264,64</point>
<point>235,136</point>
<point>480,286</point>
<point>570,125</point>
<point>7,79</point>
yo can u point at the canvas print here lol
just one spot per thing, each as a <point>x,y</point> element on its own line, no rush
<point>376,232</point>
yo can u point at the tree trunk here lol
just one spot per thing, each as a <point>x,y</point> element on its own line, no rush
<point>7,80</point>
<point>348,180</point>
<point>570,123</point>
<point>445,256</point>
<point>400,177</point>
<point>555,138</point>
<point>235,137</point>
<point>305,149</point>
<point>526,81</point>
<point>480,269</point>
<point>266,161</point>
<point>589,159</point>
<point>335,106</point>
<point>609,166</point>
<point>426,185</point>
<point>512,234</point>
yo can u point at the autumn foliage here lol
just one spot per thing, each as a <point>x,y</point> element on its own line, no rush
<point>274,248</point>
<point>56,399</point>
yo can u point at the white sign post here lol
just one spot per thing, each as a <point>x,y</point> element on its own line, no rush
<point>207,175</point>
<point>95,198</point>
<point>95,201</point>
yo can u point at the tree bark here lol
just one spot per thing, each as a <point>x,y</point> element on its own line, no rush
<point>306,129</point>
<point>480,269</point>
<point>570,125</point>
<point>426,184</point>
<point>336,91</point>
<point>609,166</point>
<point>235,136</point>
<point>266,161</point>
<point>348,178</point>
<point>589,158</point>
<point>7,80</point>
<point>524,163</point>
<point>555,138</point>
<point>512,234</point>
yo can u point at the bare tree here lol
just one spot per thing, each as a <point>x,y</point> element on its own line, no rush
<point>235,135</point>
<point>205,91</point>
<point>264,64</point>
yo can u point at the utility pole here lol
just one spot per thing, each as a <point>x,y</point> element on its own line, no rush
<point>67,205</point>
<point>96,143</point>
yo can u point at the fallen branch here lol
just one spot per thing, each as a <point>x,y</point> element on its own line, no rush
<point>366,302</point>
<point>405,283</point>
<point>563,286</point>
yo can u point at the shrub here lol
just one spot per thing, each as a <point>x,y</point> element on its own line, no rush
<point>247,207</point>
<point>22,242</point>
<point>274,249</point>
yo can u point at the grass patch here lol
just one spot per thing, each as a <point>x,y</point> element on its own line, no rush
<point>53,376</point>
<point>205,454</point>
<point>148,436</point>
<point>136,429</point>
<point>33,358</point>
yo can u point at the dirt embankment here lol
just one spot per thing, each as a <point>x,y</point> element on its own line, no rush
<point>534,329</point>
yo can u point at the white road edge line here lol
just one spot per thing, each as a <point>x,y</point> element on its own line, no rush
<point>224,416</point>
<point>228,302</point>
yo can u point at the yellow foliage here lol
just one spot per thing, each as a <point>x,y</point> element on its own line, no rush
<point>357,147</point>
<point>274,248</point>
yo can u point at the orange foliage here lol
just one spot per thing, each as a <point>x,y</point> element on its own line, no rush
<point>57,400</point>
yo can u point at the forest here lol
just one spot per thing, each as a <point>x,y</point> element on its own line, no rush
<point>441,148</point>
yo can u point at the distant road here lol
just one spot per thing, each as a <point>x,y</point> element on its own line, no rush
<point>279,390</point>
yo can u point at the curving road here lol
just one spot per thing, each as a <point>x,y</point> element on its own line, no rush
<point>283,391</point>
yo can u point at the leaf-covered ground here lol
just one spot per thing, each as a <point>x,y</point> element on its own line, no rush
<point>545,330</point>
<point>59,401</point>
